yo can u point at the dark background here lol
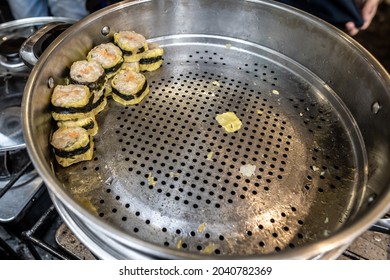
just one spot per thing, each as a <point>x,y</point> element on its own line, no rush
<point>375,39</point>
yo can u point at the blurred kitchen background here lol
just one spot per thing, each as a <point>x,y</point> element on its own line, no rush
<point>374,39</point>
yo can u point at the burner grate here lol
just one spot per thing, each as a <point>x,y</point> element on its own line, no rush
<point>15,178</point>
<point>35,237</point>
<point>19,185</point>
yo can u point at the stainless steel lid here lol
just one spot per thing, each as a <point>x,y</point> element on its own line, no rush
<point>13,77</point>
<point>11,92</point>
<point>13,34</point>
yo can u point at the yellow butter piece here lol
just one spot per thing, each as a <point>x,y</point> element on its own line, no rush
<point>172,174</point>
<point>216,83</point>
<point>179,244</point>
<point>201,228</point>
<point>209,249</point>
<point>229,121</point>
<point>88,204</point>
<point>151,180</point>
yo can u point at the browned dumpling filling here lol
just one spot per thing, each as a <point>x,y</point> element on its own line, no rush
<point>129,87</point>
<point>89,73</point>
<point>109,56</point>
<point>109,70</point>
<point>72,145</point>
<point>71,102</point>
<point>132,45</point>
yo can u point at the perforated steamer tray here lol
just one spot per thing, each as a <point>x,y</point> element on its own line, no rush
<point>166,172</point>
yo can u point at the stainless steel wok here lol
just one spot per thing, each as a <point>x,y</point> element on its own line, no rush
<point>167,181</point>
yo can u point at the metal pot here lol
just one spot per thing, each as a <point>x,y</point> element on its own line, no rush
<point>14,33</point>
<point>168,182</point>
<point>19,182</point>
<point>13,77</point>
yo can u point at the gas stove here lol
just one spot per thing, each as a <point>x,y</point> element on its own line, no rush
<point>23,197</point>
<point>19,182</point>
<point>25,206</point>
<point>30,227</point>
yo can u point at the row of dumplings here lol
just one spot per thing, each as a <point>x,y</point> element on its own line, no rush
<point>109,69</point>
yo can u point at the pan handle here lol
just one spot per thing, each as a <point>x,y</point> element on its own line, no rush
<point>382,226</point>
<point>34,46</point>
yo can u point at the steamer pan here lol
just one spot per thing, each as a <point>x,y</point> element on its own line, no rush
<point>166,180</point>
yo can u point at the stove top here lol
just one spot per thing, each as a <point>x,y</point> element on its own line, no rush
<point>15,200</point>
<point>11,93</point>
<point>19,182</point>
